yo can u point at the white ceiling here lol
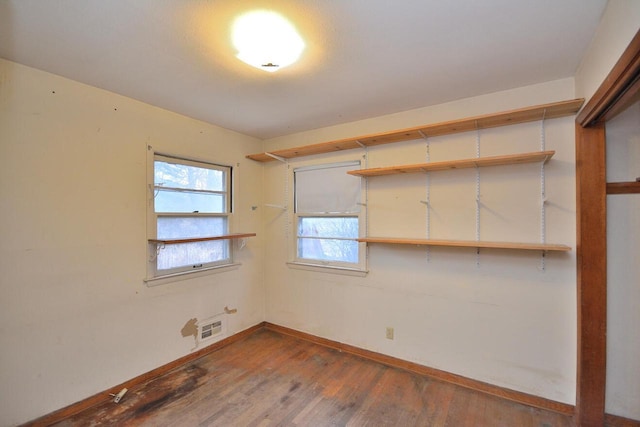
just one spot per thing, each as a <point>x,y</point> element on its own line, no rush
<point>364,58</point>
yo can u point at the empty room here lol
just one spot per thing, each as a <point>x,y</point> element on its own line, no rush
<point>320,213</point>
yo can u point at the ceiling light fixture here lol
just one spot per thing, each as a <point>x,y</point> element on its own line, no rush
<point>266,40</point>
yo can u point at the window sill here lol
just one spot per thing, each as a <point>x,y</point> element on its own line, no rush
<point>184,275</point>
<point>346,271</point>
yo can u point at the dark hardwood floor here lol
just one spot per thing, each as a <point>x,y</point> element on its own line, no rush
<point>269,379</point>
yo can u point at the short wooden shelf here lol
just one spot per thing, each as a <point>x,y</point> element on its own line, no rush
<point>522,115</point>
<point>467,244</point>
<point>631,187</point>
<point>201,239</point>
<point>538,156</point>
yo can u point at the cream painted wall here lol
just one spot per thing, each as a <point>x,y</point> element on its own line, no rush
<point>619,24</point>
<point>76,317</point>
<point>507,321</point>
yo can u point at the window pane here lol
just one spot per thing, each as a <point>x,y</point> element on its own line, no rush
<point>186,201</point>
<point>190,227</point>
<point>189,177</point>
<point>190,254</point>
<point>346,227</point>
<point>328,249</point>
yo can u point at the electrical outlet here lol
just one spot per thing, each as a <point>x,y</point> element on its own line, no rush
<point>389,333</point>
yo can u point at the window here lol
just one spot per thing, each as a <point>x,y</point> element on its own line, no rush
<point>327,215</point>
<point>191,200</point>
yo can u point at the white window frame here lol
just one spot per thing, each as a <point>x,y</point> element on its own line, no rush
<point>340,267</point>
<point>155,276</point>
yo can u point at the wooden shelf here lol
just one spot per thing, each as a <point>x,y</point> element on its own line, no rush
<point>631,187</point>
<point>467,244</point>
<point>201,239</point>
<point>522,115</point>
<point>510,159</point>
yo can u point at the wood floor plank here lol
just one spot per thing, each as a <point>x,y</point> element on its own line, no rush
<point>437,398</point>
<point>271,379</point>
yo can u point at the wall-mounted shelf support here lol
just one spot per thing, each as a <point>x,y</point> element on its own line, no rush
<point>284,208</point>
<point>543,194</point>
<point>478,201</point>
<point>240,243</point>
<point>279,158</point>
<point>427,202</point>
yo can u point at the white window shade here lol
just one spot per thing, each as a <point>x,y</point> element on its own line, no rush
<point>327,189</point>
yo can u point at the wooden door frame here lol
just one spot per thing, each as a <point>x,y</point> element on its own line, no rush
<point>591,238</point>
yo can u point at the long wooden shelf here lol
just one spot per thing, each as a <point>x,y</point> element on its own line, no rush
<point>631,187</point>
<point>510,159</point>
<point>201,239</point>
<point>467,244</point>
<point>522,115</point>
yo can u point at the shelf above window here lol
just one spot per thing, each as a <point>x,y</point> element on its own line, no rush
<point>538,156</point>
<point>522,115</point>
<point>201,239</point>
<point>467,244</point>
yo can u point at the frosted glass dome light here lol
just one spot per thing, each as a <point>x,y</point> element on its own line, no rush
<point>266,40</point>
